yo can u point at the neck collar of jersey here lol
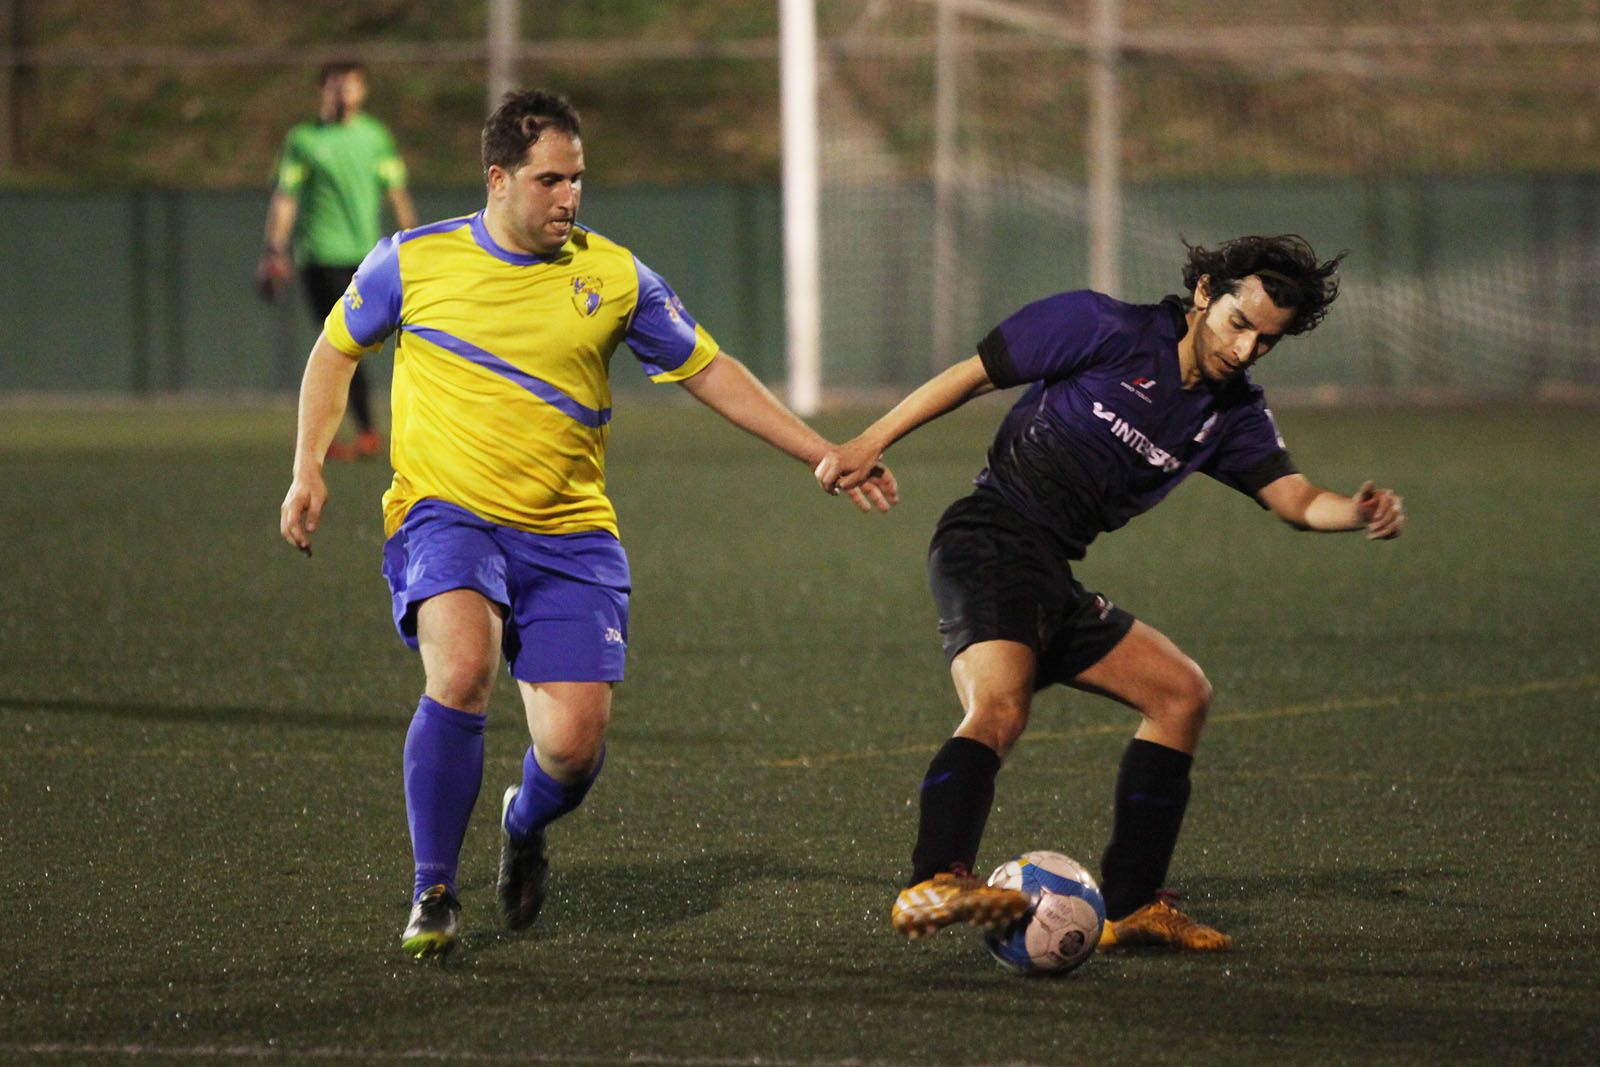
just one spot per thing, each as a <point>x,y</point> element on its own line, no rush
<point>480,234</point>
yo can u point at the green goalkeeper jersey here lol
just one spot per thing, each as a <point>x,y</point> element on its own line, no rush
<point>339,173</point>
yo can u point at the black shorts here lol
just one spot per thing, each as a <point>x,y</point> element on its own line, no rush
<point>324,285</point>
<point>997,577</point>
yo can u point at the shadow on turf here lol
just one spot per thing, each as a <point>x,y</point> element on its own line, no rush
<point>1386,884</point>
<point>599,899</point>
<point>207,714</point>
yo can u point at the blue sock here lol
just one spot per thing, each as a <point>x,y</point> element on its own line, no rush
<point>541,800</point>
<point>443,772</point>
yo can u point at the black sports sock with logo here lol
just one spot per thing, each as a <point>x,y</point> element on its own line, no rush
<point>1152,794</point>
<point>957,793</point>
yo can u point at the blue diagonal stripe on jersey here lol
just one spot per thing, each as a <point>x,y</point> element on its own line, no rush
<point>540,388</point>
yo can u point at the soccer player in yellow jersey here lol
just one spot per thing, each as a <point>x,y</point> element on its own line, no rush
<point>501,540</point>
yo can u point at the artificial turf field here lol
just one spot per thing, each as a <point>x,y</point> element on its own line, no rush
<point>204,849</point>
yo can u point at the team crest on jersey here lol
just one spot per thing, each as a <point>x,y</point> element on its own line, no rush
<point>586,294</point>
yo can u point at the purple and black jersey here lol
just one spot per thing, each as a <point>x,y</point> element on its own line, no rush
<point>1106,430</point>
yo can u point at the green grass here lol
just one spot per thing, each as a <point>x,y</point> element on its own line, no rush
<point>204,851</point>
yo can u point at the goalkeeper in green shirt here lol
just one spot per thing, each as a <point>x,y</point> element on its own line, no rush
<point>333,178</point>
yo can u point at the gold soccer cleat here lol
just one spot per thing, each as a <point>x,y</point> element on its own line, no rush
<point>1158,923</point>
<point>947,898</point>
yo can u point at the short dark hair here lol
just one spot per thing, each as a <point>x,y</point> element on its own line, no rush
<point>1287,266</point>
<point>338,68</point>
<point>519,122</point>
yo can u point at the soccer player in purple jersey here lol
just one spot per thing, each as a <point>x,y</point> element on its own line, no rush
<point>1124,402</point>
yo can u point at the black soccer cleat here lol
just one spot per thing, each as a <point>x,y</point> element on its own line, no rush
<point>524,872</point>
<point>434,926</point>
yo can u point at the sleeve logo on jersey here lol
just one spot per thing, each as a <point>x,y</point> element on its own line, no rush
<point>1275,431</point>
<point>352,298</point>
<point>674,309</point>
<point>586,294</point>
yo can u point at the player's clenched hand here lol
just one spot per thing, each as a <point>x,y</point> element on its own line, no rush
<point>302,510</point>
<point>846,466</point>
<point>1381,510</point>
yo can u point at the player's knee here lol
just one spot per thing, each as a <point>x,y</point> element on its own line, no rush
<point>1188,698</point>
<point>463,683</point>
<point>572,750</point>
<point>997,721</point>
<point>570,757</point>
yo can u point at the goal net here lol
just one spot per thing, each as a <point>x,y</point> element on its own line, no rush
<point>1458,162</point>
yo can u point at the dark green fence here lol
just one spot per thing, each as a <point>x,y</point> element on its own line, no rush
<point>1469,285</point>
<point>150,292</point>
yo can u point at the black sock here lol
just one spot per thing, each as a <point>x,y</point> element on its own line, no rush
<point>956,795</point>
<point>1152,793</point>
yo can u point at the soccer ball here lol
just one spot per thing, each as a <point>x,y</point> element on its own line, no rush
<point>1062,928</point>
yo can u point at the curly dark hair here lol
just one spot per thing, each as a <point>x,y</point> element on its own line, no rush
<point>1286,264</point>
<point>519,122</point>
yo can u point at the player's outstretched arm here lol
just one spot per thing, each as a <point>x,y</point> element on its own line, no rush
<point>727,387</point>
<point>1380,512</point>
<point>851,463</point>
<point>324,390</point>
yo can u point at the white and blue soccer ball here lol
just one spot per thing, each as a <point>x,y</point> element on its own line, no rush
<point>1062,928</point>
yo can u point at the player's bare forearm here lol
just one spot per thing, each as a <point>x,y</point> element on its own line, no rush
<point>1380,512</point>
<point>324,391</point>
<point>727,387</point>
<point>851,463</point>
<point>275,268</point>
<point>281,212</point>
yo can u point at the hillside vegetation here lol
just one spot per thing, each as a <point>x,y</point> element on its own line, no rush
<point>181,93</point>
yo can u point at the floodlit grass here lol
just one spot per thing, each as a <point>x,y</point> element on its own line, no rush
<point>205,854</point>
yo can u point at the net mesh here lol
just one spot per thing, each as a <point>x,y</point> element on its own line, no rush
<point>1456,155</point>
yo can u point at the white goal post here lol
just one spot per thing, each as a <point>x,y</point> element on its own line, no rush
<point>799,64</point>
<point>802,269</point>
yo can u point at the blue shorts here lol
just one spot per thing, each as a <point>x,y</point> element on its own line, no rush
<point>565,595</point>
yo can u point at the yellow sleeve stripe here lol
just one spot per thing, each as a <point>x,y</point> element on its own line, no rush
<point>705,350</point>
<point>338,335</point>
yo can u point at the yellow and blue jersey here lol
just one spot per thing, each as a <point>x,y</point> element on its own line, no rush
<point>502,397</point>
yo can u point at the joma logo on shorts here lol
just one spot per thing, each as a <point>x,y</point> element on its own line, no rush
<point>612,636</point>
